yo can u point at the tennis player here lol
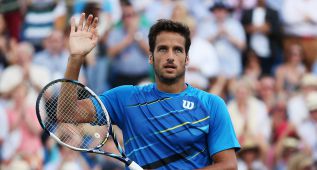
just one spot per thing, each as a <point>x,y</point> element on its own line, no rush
<point>168,124</point>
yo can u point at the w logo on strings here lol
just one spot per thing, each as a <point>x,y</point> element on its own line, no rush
<point>188,104</point>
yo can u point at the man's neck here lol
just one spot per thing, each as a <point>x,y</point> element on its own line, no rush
<point>175,88</point>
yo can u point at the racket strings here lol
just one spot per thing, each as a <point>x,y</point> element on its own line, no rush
<point>66,127</point>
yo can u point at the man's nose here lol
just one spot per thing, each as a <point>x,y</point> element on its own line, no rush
<point>170,56</point>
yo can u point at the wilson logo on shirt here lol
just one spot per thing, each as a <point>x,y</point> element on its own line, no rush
<point>188,104</point>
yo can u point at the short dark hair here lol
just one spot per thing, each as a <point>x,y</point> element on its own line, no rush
<point>165,25</point>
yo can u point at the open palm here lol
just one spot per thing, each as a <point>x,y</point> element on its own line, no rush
<point>83,39</point>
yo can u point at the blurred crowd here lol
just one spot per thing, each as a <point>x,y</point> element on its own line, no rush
<point>260,56</point>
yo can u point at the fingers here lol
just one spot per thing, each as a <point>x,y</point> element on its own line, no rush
<point>93,26</point>
<point>88,23</point>
<point>81,21</point>
<point>72,25</point>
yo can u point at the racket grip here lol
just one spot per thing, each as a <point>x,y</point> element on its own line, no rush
<point>134,166</point>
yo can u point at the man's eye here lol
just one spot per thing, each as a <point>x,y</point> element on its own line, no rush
<point>179,50</point>
<point>162,50</point>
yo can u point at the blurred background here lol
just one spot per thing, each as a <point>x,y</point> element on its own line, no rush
<point>260,56</point>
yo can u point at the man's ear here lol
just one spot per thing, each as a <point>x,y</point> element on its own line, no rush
<point>186,60</point>
<point>151,58</point>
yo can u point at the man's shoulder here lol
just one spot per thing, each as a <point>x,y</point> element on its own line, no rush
<point>132,88</point>
<point>208,97</point>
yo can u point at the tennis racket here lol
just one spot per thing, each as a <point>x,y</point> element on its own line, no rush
<point>61,109</point>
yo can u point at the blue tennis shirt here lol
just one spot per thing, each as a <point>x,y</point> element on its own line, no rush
<point>170,131</point>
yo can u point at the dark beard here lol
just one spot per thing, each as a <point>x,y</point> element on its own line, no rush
<point>168,81</point>
<point>165,80</point>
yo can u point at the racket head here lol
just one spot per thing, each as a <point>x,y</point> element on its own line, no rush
<point>66,130</point>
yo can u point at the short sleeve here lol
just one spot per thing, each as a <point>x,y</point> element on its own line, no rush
<point>221,133</point>
<point>114,101</point>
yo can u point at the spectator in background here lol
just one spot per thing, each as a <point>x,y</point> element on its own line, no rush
<point>252,70</point>
<point>241,5</point>
<point>266,91</point>
<point>181,14</point>
<point>108,12</point>
<point>4,45</point>
<point>276,5</point>
<point>289,74</point>
<point>128,48</point>
<point>307,130</point>
<point>284,150</point>
<point>228,37</point>
<point>97,62</point>
<point>250,156</point>
<point>159,9</point>
<point>198,9</point>
<point>41,18</point>
<point>300,161</point>
<point>281,127</point>
<point>54,56</point>
<point>300,25</point>
<point>70,160</point>
<point>35,76</point>
<point>50,151</point>
<point>249,115</point>
<point>13,11</point>
<point>204,64</point>
<point>314,68</point>
<point>297,110</point>
<point>4,129</point>
<point>263,30</point>
<point>24,139</point>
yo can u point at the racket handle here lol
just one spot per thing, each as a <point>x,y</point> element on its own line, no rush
<point>134,166</point>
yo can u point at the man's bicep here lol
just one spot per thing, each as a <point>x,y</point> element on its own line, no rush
<point>227,157</point>
<point>86,112</point>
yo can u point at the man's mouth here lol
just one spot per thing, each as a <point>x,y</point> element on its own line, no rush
<point>170,66</point>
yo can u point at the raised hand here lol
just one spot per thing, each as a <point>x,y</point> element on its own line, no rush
<point>83,39</point>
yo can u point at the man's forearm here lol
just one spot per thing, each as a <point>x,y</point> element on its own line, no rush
<point>73,67</point>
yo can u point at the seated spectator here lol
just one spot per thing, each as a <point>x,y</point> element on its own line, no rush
<point>281,127</point>
<point>307,130</point>
<point>266,91</point>
<point>289,74</point>
<point>4,130</point>
<point>300,26</point>
<point>252,70</point>
<point>297,110</point>
<point>300,161</point>
<point>250,156</point>
<point>51,154</point>
<point>21,117</point>
<point>249,115</point>
<point>284,150</point>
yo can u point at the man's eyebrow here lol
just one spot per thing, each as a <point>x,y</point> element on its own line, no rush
<point>162,46</point>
